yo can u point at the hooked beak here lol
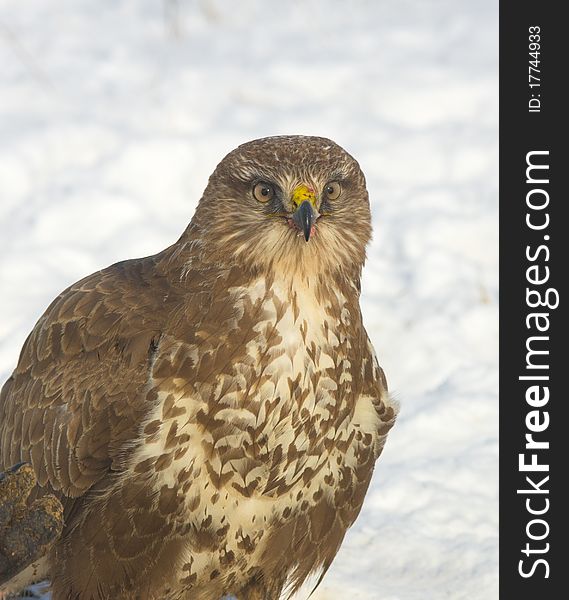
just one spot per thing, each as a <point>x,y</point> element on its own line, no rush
<point>304,218</point>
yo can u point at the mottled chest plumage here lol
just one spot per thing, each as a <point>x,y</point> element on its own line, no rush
<point>260,415</point>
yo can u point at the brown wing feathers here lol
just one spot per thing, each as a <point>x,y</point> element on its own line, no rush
<point>77,383</point>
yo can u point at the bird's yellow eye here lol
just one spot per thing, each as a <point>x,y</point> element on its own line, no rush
<point>332,190</point>
<point>263,192</point>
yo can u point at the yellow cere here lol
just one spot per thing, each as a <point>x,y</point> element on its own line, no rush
<point>302,193</point>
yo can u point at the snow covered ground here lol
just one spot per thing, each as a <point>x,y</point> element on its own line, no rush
<point>112,116</point>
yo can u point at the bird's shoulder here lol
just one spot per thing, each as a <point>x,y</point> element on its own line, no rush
<point>79,390</point>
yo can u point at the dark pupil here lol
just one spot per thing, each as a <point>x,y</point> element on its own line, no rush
<point>330,190</point>
<point>265,191</point>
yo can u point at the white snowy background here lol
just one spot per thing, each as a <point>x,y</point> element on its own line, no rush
<point>114,113</point>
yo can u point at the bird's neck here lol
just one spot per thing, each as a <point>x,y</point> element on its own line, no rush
<point>190,256</point>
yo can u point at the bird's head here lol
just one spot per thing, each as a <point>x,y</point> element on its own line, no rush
<point>295,204</point>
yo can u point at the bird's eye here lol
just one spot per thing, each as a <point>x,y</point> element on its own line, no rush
<point>263,192</point>
<point>332,190</point>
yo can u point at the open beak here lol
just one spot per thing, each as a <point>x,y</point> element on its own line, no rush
<point>304,218</point>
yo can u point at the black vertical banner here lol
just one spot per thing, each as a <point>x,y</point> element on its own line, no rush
<point>534,247</point>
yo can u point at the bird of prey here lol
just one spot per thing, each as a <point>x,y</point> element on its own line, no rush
<point>209,417</point>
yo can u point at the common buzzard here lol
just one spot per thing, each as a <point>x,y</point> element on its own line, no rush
<point>210,416</point>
